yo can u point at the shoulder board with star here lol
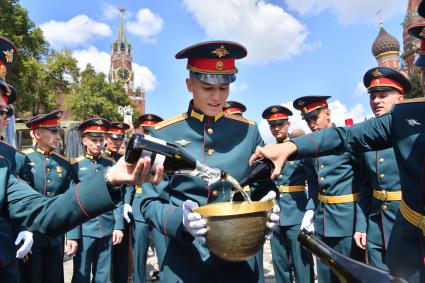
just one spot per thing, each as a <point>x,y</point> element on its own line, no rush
<point>412,100</point>
<point>78,159</point>
<point>61,156</point>
<point>239,118</point>
<point>171,121</point>
<point>108,158</point>
<point>28,151</point>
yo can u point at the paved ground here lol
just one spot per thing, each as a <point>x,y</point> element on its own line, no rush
<point>268,266</point>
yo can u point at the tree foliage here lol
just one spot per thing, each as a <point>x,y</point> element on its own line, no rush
<point>95,97</point>
<point>416,90</point>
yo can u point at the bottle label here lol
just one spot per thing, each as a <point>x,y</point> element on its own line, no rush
<point>156,158</point>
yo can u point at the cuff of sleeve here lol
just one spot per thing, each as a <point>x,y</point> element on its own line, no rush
<point>94,197</point>
<point>173,225</point>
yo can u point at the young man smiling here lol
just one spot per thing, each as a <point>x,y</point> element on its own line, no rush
<point>222,141</point>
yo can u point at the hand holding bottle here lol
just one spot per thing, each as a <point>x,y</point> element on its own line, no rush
<point>308,221</point>
<point>193,222</point>
<point>274,216</point>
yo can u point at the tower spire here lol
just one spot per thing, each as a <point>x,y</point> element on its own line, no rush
<point>121,37</point>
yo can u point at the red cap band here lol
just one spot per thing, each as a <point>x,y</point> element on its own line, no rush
<point>313,106</point>
<point>386,82</point>
<point>116,131</point>
<point>149,123</point>
<point>212,66</point>
<point>277,116</point>
<point>232,110</point>
<point>94,129</point>
<point>46,124</point>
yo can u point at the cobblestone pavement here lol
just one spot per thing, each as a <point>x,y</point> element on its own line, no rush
<point>268,266</point>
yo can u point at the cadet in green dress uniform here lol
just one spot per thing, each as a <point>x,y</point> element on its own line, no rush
<point>143,233</point>
<point>120,252</point>
<point>234,108</point>
<point>50,174</point>
<point>380,193</point>
<point>217,139</point>
<point>286,249</point>
<point>331,210</point>
<point>403,129</point>
<point>94,237</point>
<point>16,159</point>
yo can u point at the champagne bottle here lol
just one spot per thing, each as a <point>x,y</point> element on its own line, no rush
<point>259,173</point>
<point>347,269</point>
<point>173,158</point>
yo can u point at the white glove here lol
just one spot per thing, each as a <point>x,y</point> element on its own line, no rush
<point>126,210</point>
<point>26,246</point>
<point>193,222</point>
<point>274,216</point>
<point>308,221</point>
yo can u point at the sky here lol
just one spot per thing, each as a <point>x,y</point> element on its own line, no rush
<point>295,47</point>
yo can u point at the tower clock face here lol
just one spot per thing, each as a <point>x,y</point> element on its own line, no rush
<point>123,74</point>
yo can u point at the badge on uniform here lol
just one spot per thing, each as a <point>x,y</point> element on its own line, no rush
<point>59,171</point>
<point>183,142</point>
<point>83,168</point>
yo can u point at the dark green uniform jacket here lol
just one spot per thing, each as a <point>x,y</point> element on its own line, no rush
<point>226,142</point>
<point>103,225</point>
<point>404,130</point>
<point>50,174</point>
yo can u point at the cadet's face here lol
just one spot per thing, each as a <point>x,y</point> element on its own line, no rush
<point>382,101</point>
<point>3,117</point>
<point>114,145</point>
<point>208,98</point>
<point>321,121</point>
<point>280,131</point>
<point>93,144</point>
<point>47,139</point>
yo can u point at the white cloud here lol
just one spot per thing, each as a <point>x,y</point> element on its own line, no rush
<point>237,87</point>
<point>339,112</point>
<point>348,11</point>
<point>109,11</point>
<point>147,25</point>
<point>360,89</point>
<point>78,31</point>
<point>144,78</point>
<point>268,32</point>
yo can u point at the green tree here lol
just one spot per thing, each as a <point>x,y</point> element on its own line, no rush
<point>95,97</point>
<point>416,90</point>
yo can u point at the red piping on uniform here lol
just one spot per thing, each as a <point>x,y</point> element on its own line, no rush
<point>79,201</point>
<point>45,175</point>
<point>166,218</point>
<point>318,179</point>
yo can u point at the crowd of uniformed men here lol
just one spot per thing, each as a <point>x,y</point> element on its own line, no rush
<point>366,205</point>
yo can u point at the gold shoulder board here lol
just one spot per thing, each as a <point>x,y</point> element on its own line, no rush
<point>239,118</point>
<point>28,151</point>
<point>78,159</point>
<point>171,121</point>
<point>412,100</point>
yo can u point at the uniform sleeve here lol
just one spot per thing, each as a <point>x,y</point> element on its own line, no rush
<point>365,197</point>
<point>128,192</point>
<point>54,216</point>
<point>373,134</point>
<point>119,217</point>
<point>165,217</point>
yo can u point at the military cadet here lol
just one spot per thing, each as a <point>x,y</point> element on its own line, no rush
<point>403,129</point>
<point>331,210</point>
<point>380,194</point>
<point>95,237</point>
<point>234,108</point>
<point>16,160</point>
<point>143,233</point>
<point>286,249</point>
<point>220,140</point>
<point>50,174</point>
<point>120,252</point>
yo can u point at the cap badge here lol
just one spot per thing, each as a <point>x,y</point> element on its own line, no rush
<point>120,126</point>
<point>301,103</point>
<point>422,33</point>
<point>99,122</point>
<point>227,105</point>
<point>221,52</point>
<point>150,117</point>
<point>376,73</point>
<point>273,110</point>
<point>219,65</point>
<point>376,82</point>
<point>58,169</point>
<point>9,55</point>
